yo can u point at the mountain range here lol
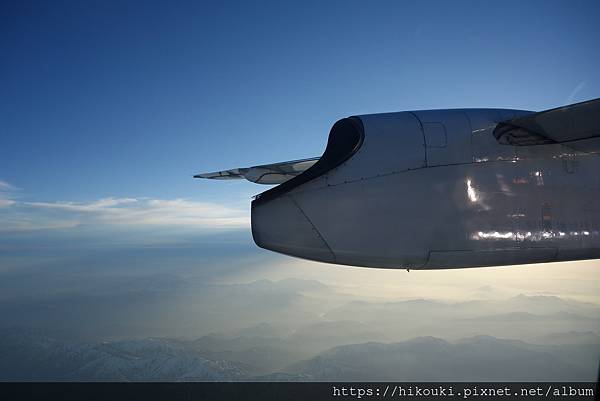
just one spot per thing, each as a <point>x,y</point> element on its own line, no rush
<point>30,355</point>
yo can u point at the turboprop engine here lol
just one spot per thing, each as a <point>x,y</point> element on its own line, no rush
<point>438,189</point>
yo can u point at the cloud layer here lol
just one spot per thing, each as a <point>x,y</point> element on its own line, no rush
<point>6,191</point>
<point>16,215</point>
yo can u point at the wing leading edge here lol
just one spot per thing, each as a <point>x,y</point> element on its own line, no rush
<point>275,173</point>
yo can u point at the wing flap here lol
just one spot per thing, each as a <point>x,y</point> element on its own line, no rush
<point>275,173</point>
<point>233,174</point>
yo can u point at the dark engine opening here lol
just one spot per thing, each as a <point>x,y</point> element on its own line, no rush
<point>345,138</point>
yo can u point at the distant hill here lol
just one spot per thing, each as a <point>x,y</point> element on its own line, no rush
<point>481,358</point>
<point>571,337</point>
<point>534,316</point>
<point>30,356</point>
<point>270,352</point>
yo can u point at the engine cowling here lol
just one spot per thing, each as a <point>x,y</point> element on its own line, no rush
<point>323,214</point>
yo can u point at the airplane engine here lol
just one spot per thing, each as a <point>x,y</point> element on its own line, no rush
<point>360,204</point>
<point>438,189</point>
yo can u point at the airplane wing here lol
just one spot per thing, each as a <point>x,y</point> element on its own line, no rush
<point>576,125</point>
<point>275,173</point>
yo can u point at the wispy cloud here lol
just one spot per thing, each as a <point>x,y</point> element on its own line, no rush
<point>20,216</point>
<point>5,186</point>
<point>6,202</point>
<point>6,194</point>
<point>575,91</point>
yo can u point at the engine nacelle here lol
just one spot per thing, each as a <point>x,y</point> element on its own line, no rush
<point>434,189</point>
<point>355,205</point>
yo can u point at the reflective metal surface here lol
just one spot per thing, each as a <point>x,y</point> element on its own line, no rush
<point>462,200</point>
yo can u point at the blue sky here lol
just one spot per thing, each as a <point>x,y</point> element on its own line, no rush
<point>108,108</point>
<point>108,99</point>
